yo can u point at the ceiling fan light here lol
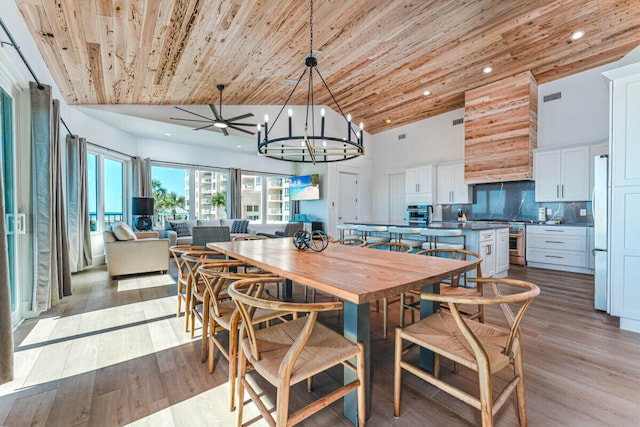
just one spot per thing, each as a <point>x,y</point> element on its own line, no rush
<point>221,125</point>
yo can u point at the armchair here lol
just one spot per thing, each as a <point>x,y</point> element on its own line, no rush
<point>145,253</point>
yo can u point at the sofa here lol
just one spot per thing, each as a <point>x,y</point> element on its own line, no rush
<point>131,253</point>
<point>181,232</point>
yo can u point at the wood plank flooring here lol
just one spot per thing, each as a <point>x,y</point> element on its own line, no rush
<point>115,354</point>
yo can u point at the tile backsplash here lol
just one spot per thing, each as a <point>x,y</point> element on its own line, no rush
<point>515,201</point>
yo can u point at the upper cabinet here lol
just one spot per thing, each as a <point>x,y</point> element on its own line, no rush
<point>562,175</point>
<point>419,185</point>
<point>451,185</point>
<point>501,130</point>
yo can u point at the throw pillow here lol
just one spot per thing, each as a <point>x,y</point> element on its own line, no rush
<point>181,228</point>
<point>240,226</point>
<point>122,231</point>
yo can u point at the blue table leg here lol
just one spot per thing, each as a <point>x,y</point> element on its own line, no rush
<point>427,308</point>
<point>287,290</point>
<point>356,328</point>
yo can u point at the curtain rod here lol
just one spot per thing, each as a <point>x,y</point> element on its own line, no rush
<point>14,44</point>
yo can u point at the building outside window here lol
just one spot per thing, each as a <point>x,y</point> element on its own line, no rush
<point>265,199</point>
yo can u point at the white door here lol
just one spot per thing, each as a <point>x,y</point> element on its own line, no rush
<point>348,198</point>
<point>397,207</point>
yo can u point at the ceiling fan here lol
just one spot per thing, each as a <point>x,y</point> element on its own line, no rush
<point>218,121</point>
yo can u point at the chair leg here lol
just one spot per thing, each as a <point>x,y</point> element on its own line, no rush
<point>205,325</point>
<point>309,384</point>
<point>187,305</point>
<point>242,372</point>
<point>233,365</point>
<point>436,365</point>
<point>362,398</point>
<point>486,402</point>
<point>519,371</point>
<point>397,373</point>
<point>282,402</point>
<point>179,300</point>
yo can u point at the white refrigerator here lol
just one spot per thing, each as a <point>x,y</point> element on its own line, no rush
<point>600,208</point>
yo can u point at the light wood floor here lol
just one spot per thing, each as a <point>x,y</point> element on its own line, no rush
<point>115,354</point>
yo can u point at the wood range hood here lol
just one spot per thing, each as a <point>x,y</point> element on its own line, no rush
<point>501,130</point>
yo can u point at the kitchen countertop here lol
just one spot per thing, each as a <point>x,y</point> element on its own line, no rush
<point>468,225</point>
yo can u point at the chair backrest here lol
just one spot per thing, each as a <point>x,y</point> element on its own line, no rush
<point>248,296</point>
<point>434,236</point>
<point>461,254</point>
<point>527,291</point>
<point>292,228</point>
<point>205,234</point>
<point>194,259</point>
<point>176,253</point>
<point>391,246</point>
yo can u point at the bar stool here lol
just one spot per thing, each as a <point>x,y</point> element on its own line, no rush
<point>433,237</point>
<point>366,229</point>
<point>406,231</point>
<point>343,227</point>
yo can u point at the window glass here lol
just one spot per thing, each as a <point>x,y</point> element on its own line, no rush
<point>251,198</point>
<point>113,191</point>
<point>170,193</point>
<point>277,203</point>
<point>92,183</point>
<point>211,194</point>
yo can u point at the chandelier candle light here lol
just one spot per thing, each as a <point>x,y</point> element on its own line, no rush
<point>309,147</point>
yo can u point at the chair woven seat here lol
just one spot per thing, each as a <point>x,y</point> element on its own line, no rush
<point>325,348</point>
<point>439,332</point>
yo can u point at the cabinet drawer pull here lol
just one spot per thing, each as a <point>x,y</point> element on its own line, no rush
<point>554,256</point>
<point>553,241</point>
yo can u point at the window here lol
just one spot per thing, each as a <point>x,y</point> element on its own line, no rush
<point>6,156</point>
<point>106,181</point>
<point>170,193</point>
<point>113,191</point>
<point>265,198</point>
<point>211,194</point>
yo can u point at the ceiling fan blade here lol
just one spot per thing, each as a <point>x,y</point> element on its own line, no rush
<point>190,120</point>
<point>195,114</point>
<point>244,116</point>
<point>241,130</point>
<point>215,113</point>
<point>242,124</point>
<point>204,127</point>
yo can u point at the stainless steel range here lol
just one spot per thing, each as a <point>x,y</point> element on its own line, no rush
<point>517,238</point>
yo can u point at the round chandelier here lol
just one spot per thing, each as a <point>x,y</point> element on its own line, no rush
<point>309,147</point>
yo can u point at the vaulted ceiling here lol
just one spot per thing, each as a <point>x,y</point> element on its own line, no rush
<point>377,56</point>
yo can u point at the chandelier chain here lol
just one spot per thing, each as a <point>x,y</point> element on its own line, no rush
<point>311,29</point>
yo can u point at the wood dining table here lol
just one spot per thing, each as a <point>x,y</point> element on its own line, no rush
<point>356,275</point>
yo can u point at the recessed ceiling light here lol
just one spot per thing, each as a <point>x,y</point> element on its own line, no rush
<point>238,146</point>
<point>426,93</point>
<point>388,121</point>
<point>487,70</point>
<point>167,134</point>
<point>577,35</point>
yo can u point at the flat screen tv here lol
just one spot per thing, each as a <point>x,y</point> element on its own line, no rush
<point>305,187</point>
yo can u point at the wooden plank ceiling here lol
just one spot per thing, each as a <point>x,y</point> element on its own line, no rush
<point>378,56</point>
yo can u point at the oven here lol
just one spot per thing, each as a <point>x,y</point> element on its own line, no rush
<point>516,246</point>
<point>417,214</point>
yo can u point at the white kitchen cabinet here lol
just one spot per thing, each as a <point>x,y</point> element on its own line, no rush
<point>487,251</point>
<point>451,185</point>
<point>420,185</point>
<point>557,247</point>
<point>562,175</point>
<point>624,244</point>
<point>502,250</point>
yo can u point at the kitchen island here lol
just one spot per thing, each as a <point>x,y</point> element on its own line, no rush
<point>491,240</point>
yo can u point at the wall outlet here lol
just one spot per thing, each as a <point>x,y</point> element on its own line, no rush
<point>583,212</point>
<point>549,211</point>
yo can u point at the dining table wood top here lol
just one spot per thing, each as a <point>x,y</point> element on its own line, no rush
<point>355,274</point>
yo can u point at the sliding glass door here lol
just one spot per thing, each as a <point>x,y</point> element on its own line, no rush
<point>7,150</point>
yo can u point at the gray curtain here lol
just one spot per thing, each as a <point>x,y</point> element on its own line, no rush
<point>78,204</point>
<point>52,272</point>
<point>235,193</point>
<point>6,334</point>
<point>142,186</point>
